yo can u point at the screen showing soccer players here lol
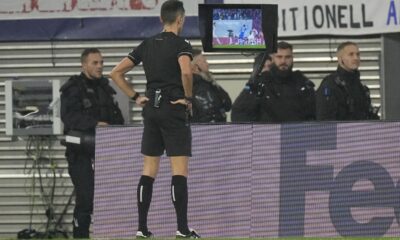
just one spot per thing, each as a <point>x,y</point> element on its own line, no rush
<point>237,28</point>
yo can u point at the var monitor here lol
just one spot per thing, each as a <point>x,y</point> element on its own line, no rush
<point>238,27</point>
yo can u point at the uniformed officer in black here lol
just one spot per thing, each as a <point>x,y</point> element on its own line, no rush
<point>166,61</point>
<point>284,95</point>
<point>246,107</point>
<point>210,100</point>
<point>86,102</point>
<point>341,95</point>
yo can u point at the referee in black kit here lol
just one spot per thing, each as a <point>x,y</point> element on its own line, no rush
<point>166,61</point>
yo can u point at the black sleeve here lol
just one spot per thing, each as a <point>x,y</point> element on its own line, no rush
<point>372,113</point>
<point>245,108</point>
<point>311,105</point>
<point>224,97</point>
<point>114,114</point>
<point>185,48</point>
<point>310,100</point>
<point>200,101</point>
<point>198,115</point>
<point>136,56</point>
<point>72,111</point>
<point>326,102</point>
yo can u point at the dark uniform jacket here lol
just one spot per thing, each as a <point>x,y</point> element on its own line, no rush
<point>85,102</point>
<point>210,101</point>
<point>286,98</point>
<point>246,107</point>
<point>342,96</point>
<point>276,98</point>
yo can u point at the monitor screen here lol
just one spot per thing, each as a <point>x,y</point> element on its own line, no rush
<point>243,27</point>
<point>237,28</point>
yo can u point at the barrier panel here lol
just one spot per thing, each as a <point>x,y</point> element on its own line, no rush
<point>310,179</point>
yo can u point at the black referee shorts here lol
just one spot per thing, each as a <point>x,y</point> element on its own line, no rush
<point>166,128</point>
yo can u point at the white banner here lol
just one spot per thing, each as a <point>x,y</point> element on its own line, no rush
<point>339,17</point>
<point>296,17</point>
<point>29,9</point>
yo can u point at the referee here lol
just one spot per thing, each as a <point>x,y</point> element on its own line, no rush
<point>166,61</point>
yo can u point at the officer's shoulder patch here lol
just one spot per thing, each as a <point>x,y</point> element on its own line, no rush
<point>327,91</point>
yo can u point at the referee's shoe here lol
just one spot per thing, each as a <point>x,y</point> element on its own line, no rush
<point>191,234</point>
<point>143,234</point>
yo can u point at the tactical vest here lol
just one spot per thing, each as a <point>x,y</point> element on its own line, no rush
<point>98,101</point>
<point>275,106</point>
<point>366,107</point>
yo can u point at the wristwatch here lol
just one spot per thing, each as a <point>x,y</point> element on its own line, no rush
<point>135,96</point>
<point>188,100</point>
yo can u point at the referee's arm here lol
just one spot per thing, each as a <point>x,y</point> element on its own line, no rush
<point>118,76</point>
<point>186,74</point>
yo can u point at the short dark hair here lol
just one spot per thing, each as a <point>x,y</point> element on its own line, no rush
<point>285,45</point>
<point>345,44</point>
<point>170,10</point>
<point>88,51</point>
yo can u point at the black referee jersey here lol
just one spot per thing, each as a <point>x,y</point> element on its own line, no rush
<point>159,55</point>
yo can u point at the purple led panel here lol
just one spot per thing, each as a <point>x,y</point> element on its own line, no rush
<point>314,179</point>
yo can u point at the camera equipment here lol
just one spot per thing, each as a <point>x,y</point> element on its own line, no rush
<point>257,88</point>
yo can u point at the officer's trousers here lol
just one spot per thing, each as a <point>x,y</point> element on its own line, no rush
<point>81,171</point>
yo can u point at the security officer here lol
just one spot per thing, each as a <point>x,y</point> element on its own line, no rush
<point>284,95</point>
<point>86,102</point>
<point>210,100</point>
<point>166,61</point>
<point>246,107</point>
<point>341,95</point>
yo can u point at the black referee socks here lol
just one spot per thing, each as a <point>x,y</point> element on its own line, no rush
<point>144,193</point>
<point>179,193</point>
